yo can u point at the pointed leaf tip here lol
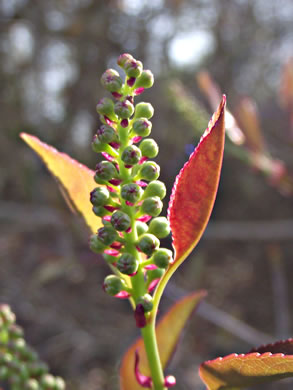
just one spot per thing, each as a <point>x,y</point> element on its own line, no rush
<point>75,178</point>
<point>195,188</point>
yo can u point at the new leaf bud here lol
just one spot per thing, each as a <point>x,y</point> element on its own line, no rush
<point>113,285</point>
<point>142,127</point>
<point>124,109</point>
<point>111,80</point>
<point>145,80</point>
<point>152,206</point>
<point>160,227</point>
<point>131,192</point>
<point>99,196</point>
<point>131,155</point>
<point>162,257</point>
<point>105,170</point>
<point>106,134</point>
<point>141,227</point>
<point>96,245</point>
<point>133,68</point>
<point>127,264</point>
<point>148,243</point>
<point>149,148</point>
<point>120,221</point>
<point>107,235</point>
<point>149,171</point>
<point>144,110</point>
<point>146,301</point>
<point>106,107</point>
<point>155,188</point>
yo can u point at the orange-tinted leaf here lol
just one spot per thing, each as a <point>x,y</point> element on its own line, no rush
<point>195,189</point>
<point>284,346</point>
<point>76,179</point>
<point>168,331</point>
<point>237,371</point>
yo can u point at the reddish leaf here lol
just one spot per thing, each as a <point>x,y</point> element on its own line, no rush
<point>168,331</point>
<point>195,189</point>
<point>237,371</point>
<point>75,178</point>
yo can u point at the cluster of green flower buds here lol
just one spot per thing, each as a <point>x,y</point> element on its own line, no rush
<point>129,195</point>
<point>20,366</point>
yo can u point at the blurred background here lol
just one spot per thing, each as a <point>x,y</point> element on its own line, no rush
<point>52,56</point>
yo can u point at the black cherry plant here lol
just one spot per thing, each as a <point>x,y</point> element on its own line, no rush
<point>121,202</point>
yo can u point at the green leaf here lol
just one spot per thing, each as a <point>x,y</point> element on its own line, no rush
<point>76,180</point>
<point>168,332</point>
<point>267,363</point>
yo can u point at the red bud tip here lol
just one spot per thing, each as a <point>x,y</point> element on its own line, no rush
<point>128,166</point>
<point>141,183</point>
<point>143,380</point>
<point>153,285</point>
<point>116,245</point>
<point>144,218</point>
<point>139,316</point>
<point>142,160</point>
<point>110,208</point>
<point>124,123</point>
<point>138,91</point>
<point>136,139</point>
<point>107,156</point>
<point>107,218</point>
<point>117,95</point>
<point>170,381</point>
<point>108,121</point>
<point>122,295</point>
<point>111,189</point>
<point>115,182</point>
<point>131,81</point>
<point>128,230</point>
<point>150,267</point>
<point>114,145</point>
<point>129,203</point>
<point>112,252</point>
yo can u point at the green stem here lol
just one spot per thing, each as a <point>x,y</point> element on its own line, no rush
<point>152,352</point>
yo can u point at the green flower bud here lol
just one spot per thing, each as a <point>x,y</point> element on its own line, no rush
<point>123,58</point>
<point>105,170</point>
<point>15,332</point>
<point>153,274</point>
<point>31,384</point>
<point>133,68</point>
<point>142,127</point>
<point>131,155</point>
<point>96,245</point>
<point>146,301</point>
<point>127,264</point>
<point>107,235</point>
<point>113,285</point>
<point>23,371</point>
<point>149,171</point>
<point>120,221</point>
<point>152,206</point>
<point>111,80</point>
<point>155,188</point>
<point>19,345</point>
<point>124,109</point>
<point>148,243</point>
<point>162,257</point>
<point>106,134</point>
<point>144,110</point>
<point>141,227</point>
<point>131,192</point>
<point>100,211</point>
<point>7,315</point>
<point>149,148</point>
<point>106,107</point>
<point>145,80</point>
<point>99,196</point>
<point>160,227</point>
<point>109,259</point>
<point>59,383</point>
<point>48,381</point>
<point>97,145</point>
<point>37,369</point>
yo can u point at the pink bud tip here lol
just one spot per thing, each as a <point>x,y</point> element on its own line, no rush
<point>143,380</point>
<point>136,139</point>
<point>110,189</point>
<point>128,166</point>
<point>110,208</point>
<point>150,267</point>
<point>129,203</point>
<point>153,284</point>
<point>107,218</point>
<point>107,156</point>
<point>108,121</point>
<point>131,81</point>
<point>128,230</point>
<point>117,95</point>
<point>115,145</point>
<point>170,381</point>
<point>116,245</point>
<point>144,218</point>
<point>142,160</point>
<point>112,252</point>
<point>124,123</point>
<point>138,91</point>
<point>122,295</point>
<point>115,182</point>
<point>141,183</point>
